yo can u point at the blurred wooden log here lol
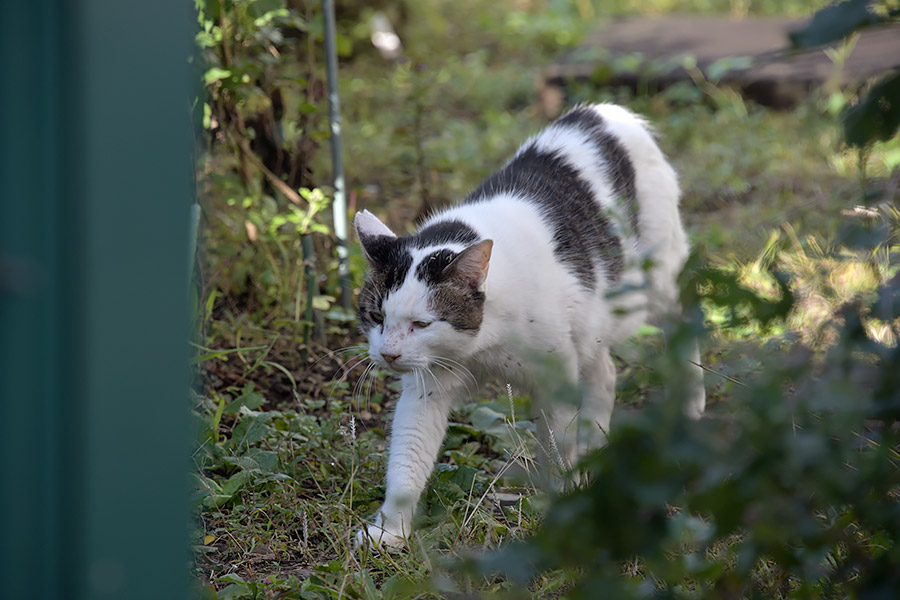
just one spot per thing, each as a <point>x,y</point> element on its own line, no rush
<point>777,76</point>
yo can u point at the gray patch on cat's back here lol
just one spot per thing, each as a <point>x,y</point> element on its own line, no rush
<point>445,232</point>
<point>619,167</point>
<point>582,233</point>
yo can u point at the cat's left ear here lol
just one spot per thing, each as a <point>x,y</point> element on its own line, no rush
<point>471,265</point>
<point>372,233</point>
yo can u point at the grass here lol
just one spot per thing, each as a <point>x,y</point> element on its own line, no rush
<point>290,455</point>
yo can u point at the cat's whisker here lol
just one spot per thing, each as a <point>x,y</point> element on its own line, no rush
<point>345,371</point>
<point>339,351</point>
<point>420,373</point>
<point>420,380</point>
<point>359,388</point>
<point>371,380</point>
<point>360,383</point>
<point>454,367</point>
<point>360,359</point>
<point>359,380</point>
<point>450,364</point>
<point>460,369</point>
<point>440,386</point>
<point>362,390</point>
<point>450,369</point>
<point>346,367</point>
<point>362,352</point>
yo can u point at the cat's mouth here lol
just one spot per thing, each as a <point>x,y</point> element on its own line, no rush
<point>395,368</point>
<point>400,368</point>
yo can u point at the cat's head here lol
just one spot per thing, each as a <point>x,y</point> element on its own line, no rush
<point>423,300</point>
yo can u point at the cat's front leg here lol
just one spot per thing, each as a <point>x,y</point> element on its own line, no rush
<point>420,422</point>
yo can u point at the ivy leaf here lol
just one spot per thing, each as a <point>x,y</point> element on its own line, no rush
<point>877,116</point>
<point>833,23</point>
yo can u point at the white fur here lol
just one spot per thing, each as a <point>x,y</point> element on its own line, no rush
<point>535,308</point>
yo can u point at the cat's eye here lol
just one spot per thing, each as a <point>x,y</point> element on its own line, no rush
<point>421,324</point>
<point>377,316</point>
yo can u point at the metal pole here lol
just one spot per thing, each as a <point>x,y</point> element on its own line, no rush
<point>194,225</point>
<point>334,114</point>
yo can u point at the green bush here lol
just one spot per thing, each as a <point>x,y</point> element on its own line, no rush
<point>790,490</point>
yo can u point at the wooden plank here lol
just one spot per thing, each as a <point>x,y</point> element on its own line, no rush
<point>776,77</point>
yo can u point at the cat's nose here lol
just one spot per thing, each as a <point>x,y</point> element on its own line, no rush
<point>389,358</point>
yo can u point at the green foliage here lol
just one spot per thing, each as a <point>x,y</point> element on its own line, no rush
<point>834,22</point>
<point>876,117</point>
<point>788,491</point>
<point>264,119</point>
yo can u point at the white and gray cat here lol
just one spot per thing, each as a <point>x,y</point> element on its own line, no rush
<point>548,257</point>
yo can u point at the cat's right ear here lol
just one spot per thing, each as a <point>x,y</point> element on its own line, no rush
<point>372,234</point>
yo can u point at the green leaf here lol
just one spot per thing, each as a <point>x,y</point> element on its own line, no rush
<point>220,353</point>
<point>454,480</point>
<point>212,9</point>
<point>833,23</point>
<point>483,418</point>
<point>344,46</point>
<point>877,116</point>
<point>249,398</point>
<point>217,418</point>
<point>234,592</point>
<point>215,74</point>
<point>251,429</point>
<point>259,8</point>
<point>236,482</point>
<point>323,302</point>
<point>308,108</point>
<point>205,40</point>
<point>340,316</point>
<point>206,491</point>
<point>398,587</point>
<point>264,460</point>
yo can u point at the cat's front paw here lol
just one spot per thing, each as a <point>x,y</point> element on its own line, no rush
<point>377,538</point>
<point>380,536</point>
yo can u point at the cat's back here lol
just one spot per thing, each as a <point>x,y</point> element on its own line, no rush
<point>585,188</point>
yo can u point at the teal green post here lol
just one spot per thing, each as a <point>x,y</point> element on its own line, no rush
<point>95,193</point>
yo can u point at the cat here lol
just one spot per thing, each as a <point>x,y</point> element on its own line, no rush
<point>546,259</point>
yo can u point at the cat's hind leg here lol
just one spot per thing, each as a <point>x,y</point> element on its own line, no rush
<point>598,397</point>
<point>572,430</point>
<point>554,396</point>
<point>695,392</point>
